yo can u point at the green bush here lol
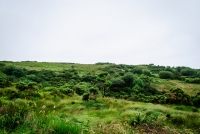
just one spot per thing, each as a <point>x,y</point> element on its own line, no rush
<point>188,72</point>
<point>136,71</point>
<point>81,88</point>
<point>86,96</point>
<point>117,84</point>
<point>193,80</point>
<point>128,79</point>
<point>14,115</point>
<point>18,72</point>
<point>8,70</point>
<point>146,72</point>
<point>88,78</point>
<point>4,82</point>
<point>21,86</point>
<point>67,91</point>
<point>166,75</point>
<point>178,120</point>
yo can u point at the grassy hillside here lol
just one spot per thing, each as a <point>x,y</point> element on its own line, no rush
<point>42,97</point>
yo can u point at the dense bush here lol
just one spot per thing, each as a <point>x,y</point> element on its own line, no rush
<point>128,79</point>
<point>166,75</point>
<point>8,70</point>
<point>146,72</point>
<point>136,71</point>
<point>81,88</point>
<point>188,72</point>
<point>193,80</point>
<point>86,96</point>
<point>117,84</point>
<point>21,86</point>
<point>27,86</point>
<point>4,82</point>
<point>18,72</point>
<point>88,78</point>
<point>14,115</point>
<point>178,96</point>
<point>66,90</point>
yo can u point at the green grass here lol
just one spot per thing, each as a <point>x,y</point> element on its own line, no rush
<point>106,115</point>
<point>58,113</point>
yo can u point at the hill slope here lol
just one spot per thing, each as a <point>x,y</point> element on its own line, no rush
<point>100,98</point>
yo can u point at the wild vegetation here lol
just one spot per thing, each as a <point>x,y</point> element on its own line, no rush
<point>69,98</point>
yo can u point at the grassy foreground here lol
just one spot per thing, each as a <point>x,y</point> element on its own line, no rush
<point>103,116</point>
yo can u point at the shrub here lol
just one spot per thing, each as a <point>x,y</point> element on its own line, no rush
<point>193,80</point>
<point>188,72</point>
<point>18,72</point>
<point>88,78</point>
<point>81,88</point>
<point>136,71</point>
<point>103,74</point>
<point>147,72</point>
<point>66,90</point>
<point>33,86</point>
<point>14,115</point>
<point>8,70</point>
<point>128,79</point>
<point>4,82</point>
<point>21,86</point>
<point>166,75</point>
<point>93,93</point>
<point>178,120</point>
<point>117,84</point>
<point>86,96</point>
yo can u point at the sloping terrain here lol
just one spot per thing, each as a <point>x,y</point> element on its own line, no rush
<point>41,97</point>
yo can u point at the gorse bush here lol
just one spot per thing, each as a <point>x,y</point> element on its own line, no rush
<point>66,90</point>
<point>166,75</point>
<point>4,82</point>
<point>27,86</point>
<point>193,80</point>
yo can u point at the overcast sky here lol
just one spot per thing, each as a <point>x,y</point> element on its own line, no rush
<point>163,32</point>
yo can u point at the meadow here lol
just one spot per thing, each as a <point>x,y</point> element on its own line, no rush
<point>101,98</point>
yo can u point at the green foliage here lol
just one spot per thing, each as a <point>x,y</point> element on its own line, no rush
<point>21,86</point>
<point>103,74</point>
<point>81,88</point>
<point>13,115</point>
<point>62,127</point>
<point>139,83</point>
<point>11,70</point>
<point>4,82</point>
<point>136,71</point>
<point>8,70</point>
<point>146,72</point>
<point>86,96</point>
<point>193,80</point>
<point>66,90</point>
<point>117,84</point>
<point>128,79</point>
<point>88,78</point>
<point>18,72</point>
<point>188,72</point>
<point>166,75</point>
<point>178,96</point>
<point>178,120</point>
